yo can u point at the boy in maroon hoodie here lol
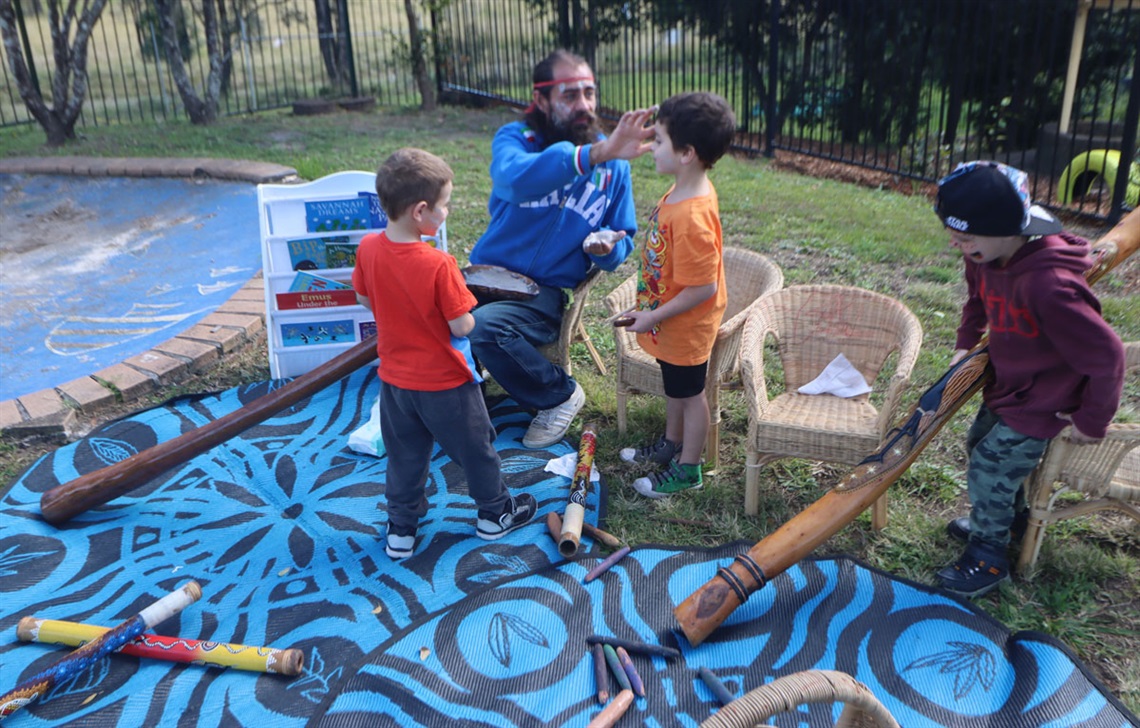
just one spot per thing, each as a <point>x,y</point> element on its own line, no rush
<point>1055,360</point>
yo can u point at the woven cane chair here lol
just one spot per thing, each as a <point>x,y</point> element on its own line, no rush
<point>573,329</point>
<point>748,277</point>
<point>861,709</point>
<point>812,325</point>
<point>1107,473</point>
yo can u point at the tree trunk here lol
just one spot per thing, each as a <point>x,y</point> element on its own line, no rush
<point>69,80</point>
<point>419,58</point>
<point>201,109</point>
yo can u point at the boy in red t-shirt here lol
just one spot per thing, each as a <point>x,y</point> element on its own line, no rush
<point>680,291</point>
<point>429,389</point>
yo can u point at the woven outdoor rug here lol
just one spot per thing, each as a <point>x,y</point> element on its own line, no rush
<point>281,527</point>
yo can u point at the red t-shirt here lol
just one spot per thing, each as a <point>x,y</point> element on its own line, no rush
<point>414,290</point>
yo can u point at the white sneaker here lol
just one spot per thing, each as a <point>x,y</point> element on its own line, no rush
<point>550,425</point>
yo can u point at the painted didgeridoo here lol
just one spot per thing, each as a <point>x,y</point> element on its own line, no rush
<point>82,658</point>
<point>575,513</point>
<point>707,608</point>
<point>65,501</point>
<point>171,649</point>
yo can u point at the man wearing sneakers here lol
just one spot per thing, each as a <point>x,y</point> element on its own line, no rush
<point>429,391</point>
<point>1055,360</point>
<point>555,180</point>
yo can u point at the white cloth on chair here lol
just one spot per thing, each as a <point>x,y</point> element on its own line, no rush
<point>839,378</point>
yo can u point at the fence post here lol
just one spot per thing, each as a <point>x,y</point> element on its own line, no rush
<point>770,114</point>
<point>342,10</point>
<point>1127,146</point>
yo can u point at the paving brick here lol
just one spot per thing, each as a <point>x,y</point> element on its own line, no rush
<point>239,307</point>
<point>229,339</point>
<point>250,323</point>
<point>41,404</point>
<point>196,354</point>
<point>131,383</point>
<point>167,369</point>
<point>9,413</point>
<point>87,394</point>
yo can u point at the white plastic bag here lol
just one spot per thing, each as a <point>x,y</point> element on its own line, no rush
<point>366,439</point>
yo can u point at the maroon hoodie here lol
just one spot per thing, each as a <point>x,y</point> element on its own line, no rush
<point>1050,348</point>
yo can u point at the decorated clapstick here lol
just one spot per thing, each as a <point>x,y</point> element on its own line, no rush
<point>171,649</point>
<point>65,501</point>
<point>495,283</point>
<point>579,490</point>
<point>707,608</point>
<point>82,658</point>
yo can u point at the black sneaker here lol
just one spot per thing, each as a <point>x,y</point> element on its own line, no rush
<point>979,569</point>
<point>659,452</point>
<point>399,542</point>
<point>959,528</point>
<point>517,512</point>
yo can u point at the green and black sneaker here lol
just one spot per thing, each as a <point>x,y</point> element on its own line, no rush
<point>673,479</point>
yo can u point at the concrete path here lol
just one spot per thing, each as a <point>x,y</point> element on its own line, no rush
<point>232,325</point>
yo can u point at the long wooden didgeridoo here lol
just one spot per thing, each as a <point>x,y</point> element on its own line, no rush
<point>707,608</point>
<point>65,501</point>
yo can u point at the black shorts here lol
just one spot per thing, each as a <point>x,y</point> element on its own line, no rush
<point>682,382</point>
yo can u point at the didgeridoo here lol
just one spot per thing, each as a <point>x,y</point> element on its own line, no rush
<point>171,649</point>
<point>575,513</point>
<point>707,608</point>
<point>103,645</point>
<point>65,501</point>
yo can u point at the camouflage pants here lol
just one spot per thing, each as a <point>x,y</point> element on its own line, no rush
<point>1000,460</point>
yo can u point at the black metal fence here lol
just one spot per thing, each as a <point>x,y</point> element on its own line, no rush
<point>908,87</point>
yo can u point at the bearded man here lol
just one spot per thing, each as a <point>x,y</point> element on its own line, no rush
<point>556,179</point>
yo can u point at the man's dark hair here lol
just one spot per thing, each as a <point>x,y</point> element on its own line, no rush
<point>410,176</point>
<point>699,120</point>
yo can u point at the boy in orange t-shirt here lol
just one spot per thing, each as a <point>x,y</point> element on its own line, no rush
<point>680,291</point>
<point>429,391</point>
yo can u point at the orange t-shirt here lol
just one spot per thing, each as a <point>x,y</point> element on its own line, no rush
<point>414,290</point>
<point>682,248</point>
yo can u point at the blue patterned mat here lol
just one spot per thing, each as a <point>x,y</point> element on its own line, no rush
<point>281,528</point>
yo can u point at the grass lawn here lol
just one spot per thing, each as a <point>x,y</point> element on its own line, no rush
<point>1087,588</point>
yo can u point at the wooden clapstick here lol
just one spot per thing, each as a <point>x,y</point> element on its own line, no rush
<point>707,608</point>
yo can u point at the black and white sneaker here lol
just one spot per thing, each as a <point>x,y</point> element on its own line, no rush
<point>399,543</point>
<point>516,512</point>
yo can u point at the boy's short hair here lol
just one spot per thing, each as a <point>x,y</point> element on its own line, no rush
<point>700,120</point>
<point>410,176</point>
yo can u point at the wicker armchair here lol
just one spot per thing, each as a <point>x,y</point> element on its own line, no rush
<point>812,325</point>
<point>1107,473</point>
<point>748,277</point>
<point>861,709</point>
<point>573,330</point>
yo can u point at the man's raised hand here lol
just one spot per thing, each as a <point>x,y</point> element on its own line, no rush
<point>630,139</point>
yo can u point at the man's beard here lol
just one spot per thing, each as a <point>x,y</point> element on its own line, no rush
<point>553,132</point>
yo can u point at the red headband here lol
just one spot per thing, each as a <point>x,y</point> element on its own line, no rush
<point>553,82</point>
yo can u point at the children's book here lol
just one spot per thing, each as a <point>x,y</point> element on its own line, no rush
<point>340,255</point>
<point>352,213</point>
<point>367,328</point>
<point>306,281</point>
<point>318,332</point>
<point>379,219</point>
<point>311,254</point>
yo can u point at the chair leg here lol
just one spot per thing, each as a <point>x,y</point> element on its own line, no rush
<point>712,443</point>
<point>585,339</point>
<point>621,402</point>
<point>879,513</point>
<point>752,484</point>
<point>1030,546</point>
